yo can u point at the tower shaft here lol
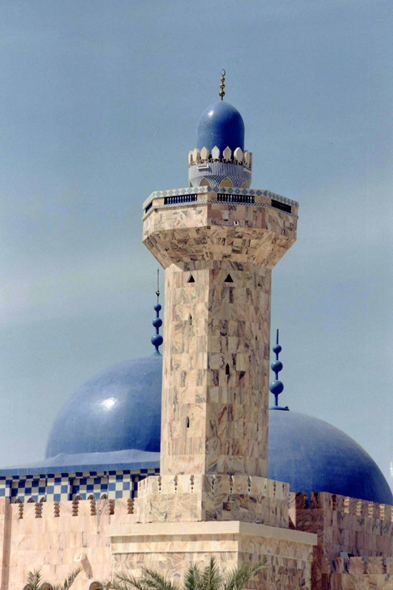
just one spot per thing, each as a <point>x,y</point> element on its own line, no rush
<point>216,364</point>
<point>218,258</point>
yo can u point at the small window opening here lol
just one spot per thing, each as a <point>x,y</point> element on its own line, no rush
<point>191,279</point>
<point>229,279</point>
<point>188,422</point>
<point>227,372</point>
<point>190,319</point>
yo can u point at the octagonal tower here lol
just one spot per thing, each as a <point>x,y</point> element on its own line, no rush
<point>218,242</point>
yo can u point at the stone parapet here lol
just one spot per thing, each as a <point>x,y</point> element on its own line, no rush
<point>188,498</point>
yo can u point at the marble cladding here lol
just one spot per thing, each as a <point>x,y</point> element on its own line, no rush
<point>288,559</point>
<point>216,368</point>
<point>345,527</point>
<point>216,362</point>
<point>218,231</point>
<point>50,543</point>
<point>187,498</point>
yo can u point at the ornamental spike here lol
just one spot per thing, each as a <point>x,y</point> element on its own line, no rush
<point>157,339</point>
<point>276,387</point>
<point>221,94</point>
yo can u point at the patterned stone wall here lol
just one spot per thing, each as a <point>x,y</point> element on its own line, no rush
<point>218,259</point>
<point>188,498</point>
<point>171,550</point>
<point>216,367</point>
<point>47,536</point>
<point>351,533</point>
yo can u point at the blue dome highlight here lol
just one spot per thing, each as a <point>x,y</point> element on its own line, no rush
<point>314,456</point>
<point>220,125</point>
<point>118,409</point>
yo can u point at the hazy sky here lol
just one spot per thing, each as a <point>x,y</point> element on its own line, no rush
<point>99,102</point>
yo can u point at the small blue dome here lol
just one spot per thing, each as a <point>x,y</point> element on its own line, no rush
<point>118,409</point>
<point>220,125</point>
<point>314,456</point>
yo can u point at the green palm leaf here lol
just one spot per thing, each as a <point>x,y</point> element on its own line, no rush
<point>211,579</point>
<point>68,582</point>
<point>193,579</point>
<point>238,578</point>
<point>34,579</point>
<point>150,580</point>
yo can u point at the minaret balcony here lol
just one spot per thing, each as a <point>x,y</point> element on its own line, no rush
<point>243,225</point>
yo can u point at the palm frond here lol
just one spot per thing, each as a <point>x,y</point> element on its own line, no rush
<point>193,578</point>
<point>155,581</point>
<point>125,581</point>
<point>211,579</point>
<point>34,579</point>
<point>66,585</point>
<point>238,578</point>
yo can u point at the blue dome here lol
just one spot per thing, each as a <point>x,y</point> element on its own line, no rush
<point>118,409</point>
<point>220,125</point>
<point>313,456</point>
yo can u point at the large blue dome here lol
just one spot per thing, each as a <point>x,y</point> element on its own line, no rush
<point>116,410</point>
<point>120,409</point>
<point>314,456</point>
<point>220,125</point>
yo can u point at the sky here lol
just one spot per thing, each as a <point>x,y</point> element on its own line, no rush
<point>99,103</point>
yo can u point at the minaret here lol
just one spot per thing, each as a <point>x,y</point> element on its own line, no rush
<point>218,242</point>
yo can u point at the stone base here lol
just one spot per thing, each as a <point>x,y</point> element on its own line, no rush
<point>171,547</point>
<point>188,498</point>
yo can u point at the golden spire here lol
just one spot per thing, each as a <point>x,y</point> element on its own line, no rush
<point>222,85</point>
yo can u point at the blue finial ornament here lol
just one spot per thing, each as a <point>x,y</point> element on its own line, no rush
<point>157,339</point>
<point>276,387</point>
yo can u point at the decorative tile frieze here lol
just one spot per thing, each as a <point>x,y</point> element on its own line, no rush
<point>68,486</point>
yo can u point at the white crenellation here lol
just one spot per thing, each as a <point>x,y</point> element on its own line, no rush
<point>215,154</point>
<point>227,154</point>
<point>238,157</point>
<point>204,154</point>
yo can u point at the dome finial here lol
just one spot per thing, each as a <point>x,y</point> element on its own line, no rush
<point>157,340</point>
<point>221,94</point>
<point>276,387</point>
